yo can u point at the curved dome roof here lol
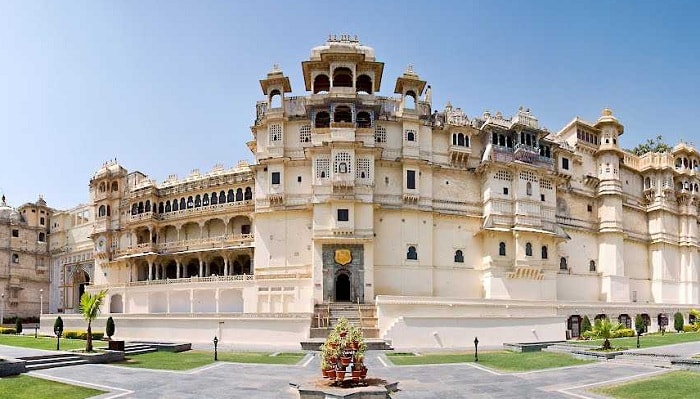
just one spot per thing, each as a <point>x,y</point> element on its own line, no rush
<point>8,213</point>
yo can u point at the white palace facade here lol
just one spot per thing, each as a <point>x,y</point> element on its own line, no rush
<point>440,226</point>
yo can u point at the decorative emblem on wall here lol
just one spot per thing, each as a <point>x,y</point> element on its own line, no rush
<point>343,256</point>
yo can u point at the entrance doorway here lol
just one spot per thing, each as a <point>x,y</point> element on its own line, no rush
<point>80,280</point>
<point>342,288</point>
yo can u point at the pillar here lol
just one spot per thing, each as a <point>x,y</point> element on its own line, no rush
<point>150,270</point>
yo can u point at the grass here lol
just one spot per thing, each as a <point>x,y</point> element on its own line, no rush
<point>193,359</point>
<point>46,343</point>
<point>646,341</point>
<point>505,361</point>
<point>24,387</point>
<point>677,384</point>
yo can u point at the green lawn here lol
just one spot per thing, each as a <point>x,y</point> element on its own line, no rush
<point>506,361</point>
<point>677,384</point>
<point>193,359</point>
<point>647,341</point>
<point>26,387</point>
<point>46,343</point>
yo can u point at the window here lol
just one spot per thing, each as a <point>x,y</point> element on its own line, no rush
<point>342,163</point>
<point>411,179</point>
<point>322,168</point>
<point>362,171</point>
<point>565,163</point>
<point>15,258</point>
<point>528,188</point>
<point>590,208</point>
<point>245,229</point>
<point>305,134</point>
<point>275,177</point>
<point>505,190</point>
<point>298,179</point>
<point>545,254</point>
<point>528,249</point>
<point>459,256</point>
<point>42,221</point>
<point>343,215</point>
<point>42,237</point>
<point>410,135</point>
<point>275,132</point>
<point>15,233</point>
<point>412,254</point>
<point>380,134</point>
<point>562,264</point>
<point>542,197</point>
<point>591,266</point>
<point>502,249</point>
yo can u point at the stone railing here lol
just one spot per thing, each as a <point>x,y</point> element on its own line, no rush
<point>223,241</point>
<point>146,216</point>
<point>208,279</point>
<point>206,209</point>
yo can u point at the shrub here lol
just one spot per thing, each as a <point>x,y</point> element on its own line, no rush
<point>7,330</point>
<point>689,328</point>
<point>678,321</point>
<point>639,324</point>
<point>585,324</point>
<point>18,325</point>
<point>623,332</point>
<point>82,334</point>
<point>110,327</point>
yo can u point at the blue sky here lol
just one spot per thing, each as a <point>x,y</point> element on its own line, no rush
<point>170,86</point>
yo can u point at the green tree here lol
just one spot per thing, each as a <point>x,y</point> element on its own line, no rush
<point>651,145</point>
<point>678,321</point>
<point>90,308</point>
<point>639,324</point>
<point>585,325</point>
<point>110,327</point>
<point>604,329</point>
<point>18,325</point>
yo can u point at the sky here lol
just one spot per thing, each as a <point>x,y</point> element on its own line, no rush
<point>166,87</point>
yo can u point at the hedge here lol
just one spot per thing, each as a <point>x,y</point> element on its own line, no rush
<point>7,330</point>
<point>624,332</point>
<point>690,328</point>
<point>81,334</point>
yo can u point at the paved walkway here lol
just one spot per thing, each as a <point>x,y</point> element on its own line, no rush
<point>272,381</point>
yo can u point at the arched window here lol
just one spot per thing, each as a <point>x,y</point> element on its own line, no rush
<point>412,254</point>
<point>321,84</point>
<point>342,113</point>
<point>625,320</point>
<point>275,99</point>
<point>545,254</point>
<point>600,316</point>
<point>460,140</point>
<point>214,199</point>
<point>342,77</point>
<point>591,266</point>
<point>501,140</point>
<point>190,202</point>
<point>205,199</point>
<point>528,249</point>
<point>42,237</point>
<point>364,120</point>
<point>102,187</point>
<point>134,209</point>
<point>175,207</point>
<point>454,139</point>
<point>231,197</point>
<point>102,211</point>
<point>115,186</point>
<point>322,120</point>
<point>410,100</point>
<point>183,204</point>
<point>140,208</point>
<point>647,183</point>
<point>109,211</point>
<point>502,248</point>
<point>148,206</point>
<point>161,207</point>
<point>459,256</point>
<point>239,194</point>
<point>466,141</point>
<point>222,197</point>
<point>528,188</point>
<point>167,206</point>
<point>248,194</point>
<point>562,264</point>
<point>364,84</point>
<point>410,135</point>
<point>197,201</point>
<point>15,258</point>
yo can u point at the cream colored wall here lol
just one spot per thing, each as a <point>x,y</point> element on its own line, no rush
<point>283,241</point>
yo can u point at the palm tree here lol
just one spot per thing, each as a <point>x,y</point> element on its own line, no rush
<point>604,329</point>
<point>90,308</point>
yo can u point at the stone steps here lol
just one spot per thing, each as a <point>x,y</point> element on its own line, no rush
<point>137,349</point>
<point>51,361</point>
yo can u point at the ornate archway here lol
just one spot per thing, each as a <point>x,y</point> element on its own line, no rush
<point>342,287</point>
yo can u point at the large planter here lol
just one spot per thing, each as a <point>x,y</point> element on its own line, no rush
<point>345,361</point>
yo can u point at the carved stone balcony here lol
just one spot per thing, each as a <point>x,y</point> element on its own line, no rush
<point>459,154</point>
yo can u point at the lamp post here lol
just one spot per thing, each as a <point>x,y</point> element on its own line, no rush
<point>476,349</point>
<point>41,302</point>
<point>638,333</point>
<point>216,342</point>
<point>2,309</point>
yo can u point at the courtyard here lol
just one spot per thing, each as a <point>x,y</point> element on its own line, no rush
<point>456,380</point>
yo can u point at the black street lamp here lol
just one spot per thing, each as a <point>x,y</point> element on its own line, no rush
<point>216,342</point>
<point>638,333</point>
<point>476,349</point>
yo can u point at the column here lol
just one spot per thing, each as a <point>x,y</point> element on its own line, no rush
<point>201,267</point>
<point>226,266</point>
<point>150,270</point>
<point>178,265</point>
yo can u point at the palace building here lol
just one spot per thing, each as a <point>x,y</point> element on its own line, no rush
<point>24,259</point>
<point>430,225</point>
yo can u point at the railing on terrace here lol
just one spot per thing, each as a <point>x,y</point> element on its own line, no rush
<point>209,279</point>
<point>205,209</point>
<point>191,244</point>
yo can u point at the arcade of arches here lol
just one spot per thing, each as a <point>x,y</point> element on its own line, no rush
<point>219,263</point>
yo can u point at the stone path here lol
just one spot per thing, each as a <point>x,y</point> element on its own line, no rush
<point>272,381</point>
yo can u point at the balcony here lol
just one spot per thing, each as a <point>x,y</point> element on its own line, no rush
<point>144,217</point>
<point>241,206</point>
<point>226,241</point>
<point>101,225</point>
<point>343,180</point>
<point>459,154</point>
